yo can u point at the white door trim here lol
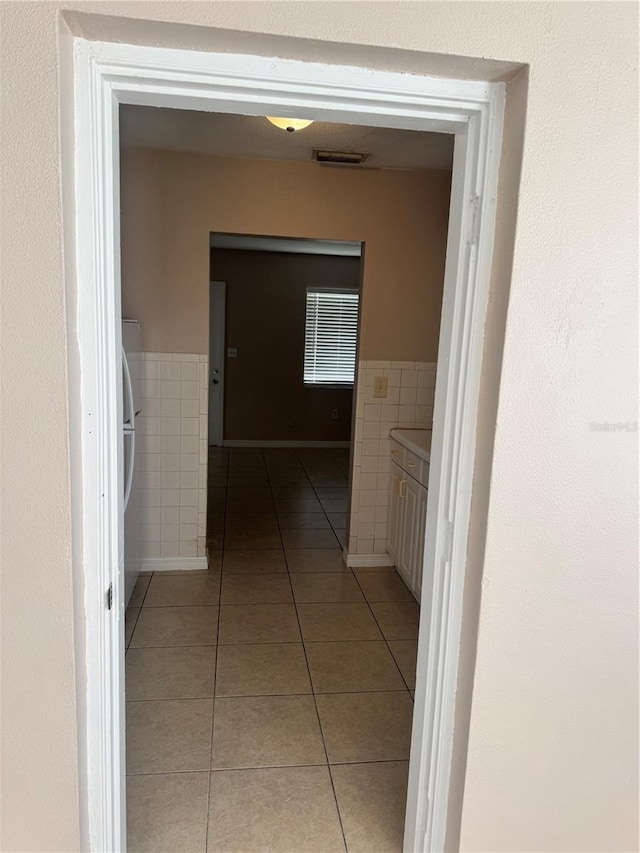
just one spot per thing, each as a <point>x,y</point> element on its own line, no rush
<point>215,421</point>
<point>107,74</point>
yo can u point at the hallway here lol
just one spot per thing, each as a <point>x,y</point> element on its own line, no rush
<point>269,699</point>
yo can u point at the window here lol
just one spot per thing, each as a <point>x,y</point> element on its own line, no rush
<point>330,334</point>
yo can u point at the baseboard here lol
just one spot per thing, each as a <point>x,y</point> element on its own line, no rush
<point>365,561</point>
<point>241,442</point>
<point>174,564</point>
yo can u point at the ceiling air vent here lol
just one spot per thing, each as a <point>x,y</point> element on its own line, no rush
<point>339,158</point>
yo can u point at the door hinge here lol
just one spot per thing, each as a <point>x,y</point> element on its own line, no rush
<point>474,229</point>
<point>109,597</point>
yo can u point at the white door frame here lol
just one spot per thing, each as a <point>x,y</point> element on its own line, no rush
<point>215,425</point>
<point>107,74</point>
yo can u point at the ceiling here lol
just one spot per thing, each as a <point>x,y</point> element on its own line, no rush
<point>226,135</point>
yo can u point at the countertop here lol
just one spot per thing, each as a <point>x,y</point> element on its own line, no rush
<point>416,440</point>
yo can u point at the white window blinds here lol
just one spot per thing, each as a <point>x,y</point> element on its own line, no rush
<point>331,330</point>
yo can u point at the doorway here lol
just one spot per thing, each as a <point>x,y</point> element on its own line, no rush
<point>418,102</point>
<point>284,331</point>
<point>217,357</point>
<point>286,338</point>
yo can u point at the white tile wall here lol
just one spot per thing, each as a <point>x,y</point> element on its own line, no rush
<point>409,404</point>
<point>171,453</point>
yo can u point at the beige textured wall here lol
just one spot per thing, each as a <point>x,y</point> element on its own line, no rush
<point>264,394</point>
<point>553,722</point>
<point>401,215</point>
<point>38,739</point>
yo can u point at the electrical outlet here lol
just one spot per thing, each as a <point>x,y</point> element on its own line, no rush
<point>232,352</point>
<point>334,414</point>
<point>380,386</point>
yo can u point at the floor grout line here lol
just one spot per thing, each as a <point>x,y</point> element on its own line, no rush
<point>148,607</point>
<point>263,642</point>
<point>215,673</point>
<point>266,695</point>
<point>179,646</point>
<point>280,642</point>
<point>139,608</point>
<point>315,704</point>
<point>273,767</point>
<point>171,699</point>
<point>383,634</point>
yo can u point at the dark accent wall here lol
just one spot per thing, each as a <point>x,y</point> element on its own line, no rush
<point>265,397</point>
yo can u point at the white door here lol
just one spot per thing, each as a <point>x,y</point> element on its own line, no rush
<point>217,324</point>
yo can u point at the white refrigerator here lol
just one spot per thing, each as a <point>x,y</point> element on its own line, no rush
<point>132,525</point>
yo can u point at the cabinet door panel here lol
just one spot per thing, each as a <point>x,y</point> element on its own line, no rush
<point>396,515</point>
<point>421,522</point>
<point>408,547</point>
<point>413,534</point>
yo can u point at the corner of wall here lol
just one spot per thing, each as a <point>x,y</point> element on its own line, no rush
<point>171,457</point>
<point>506,214</point>
<point>409,404</point>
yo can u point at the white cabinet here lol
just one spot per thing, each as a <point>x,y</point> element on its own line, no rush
<point>396,506</point>
<point>407,518</point>
<point>413,533</point>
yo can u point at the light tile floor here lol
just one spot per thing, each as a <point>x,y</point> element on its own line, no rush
<point>269,699</point>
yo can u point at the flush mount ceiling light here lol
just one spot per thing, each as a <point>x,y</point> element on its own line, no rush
<point>290,124</point>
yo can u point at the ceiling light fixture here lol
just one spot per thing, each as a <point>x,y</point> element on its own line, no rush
<point>290,124</point>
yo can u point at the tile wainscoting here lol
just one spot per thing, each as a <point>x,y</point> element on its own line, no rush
<point>408,404</point>
<point>171,459</point>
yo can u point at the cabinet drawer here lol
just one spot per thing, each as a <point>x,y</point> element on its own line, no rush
<point>418,468</point>
<point>412,464</point>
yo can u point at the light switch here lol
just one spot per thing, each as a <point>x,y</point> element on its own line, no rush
<point>380,386</point>
<point>232,352</point>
